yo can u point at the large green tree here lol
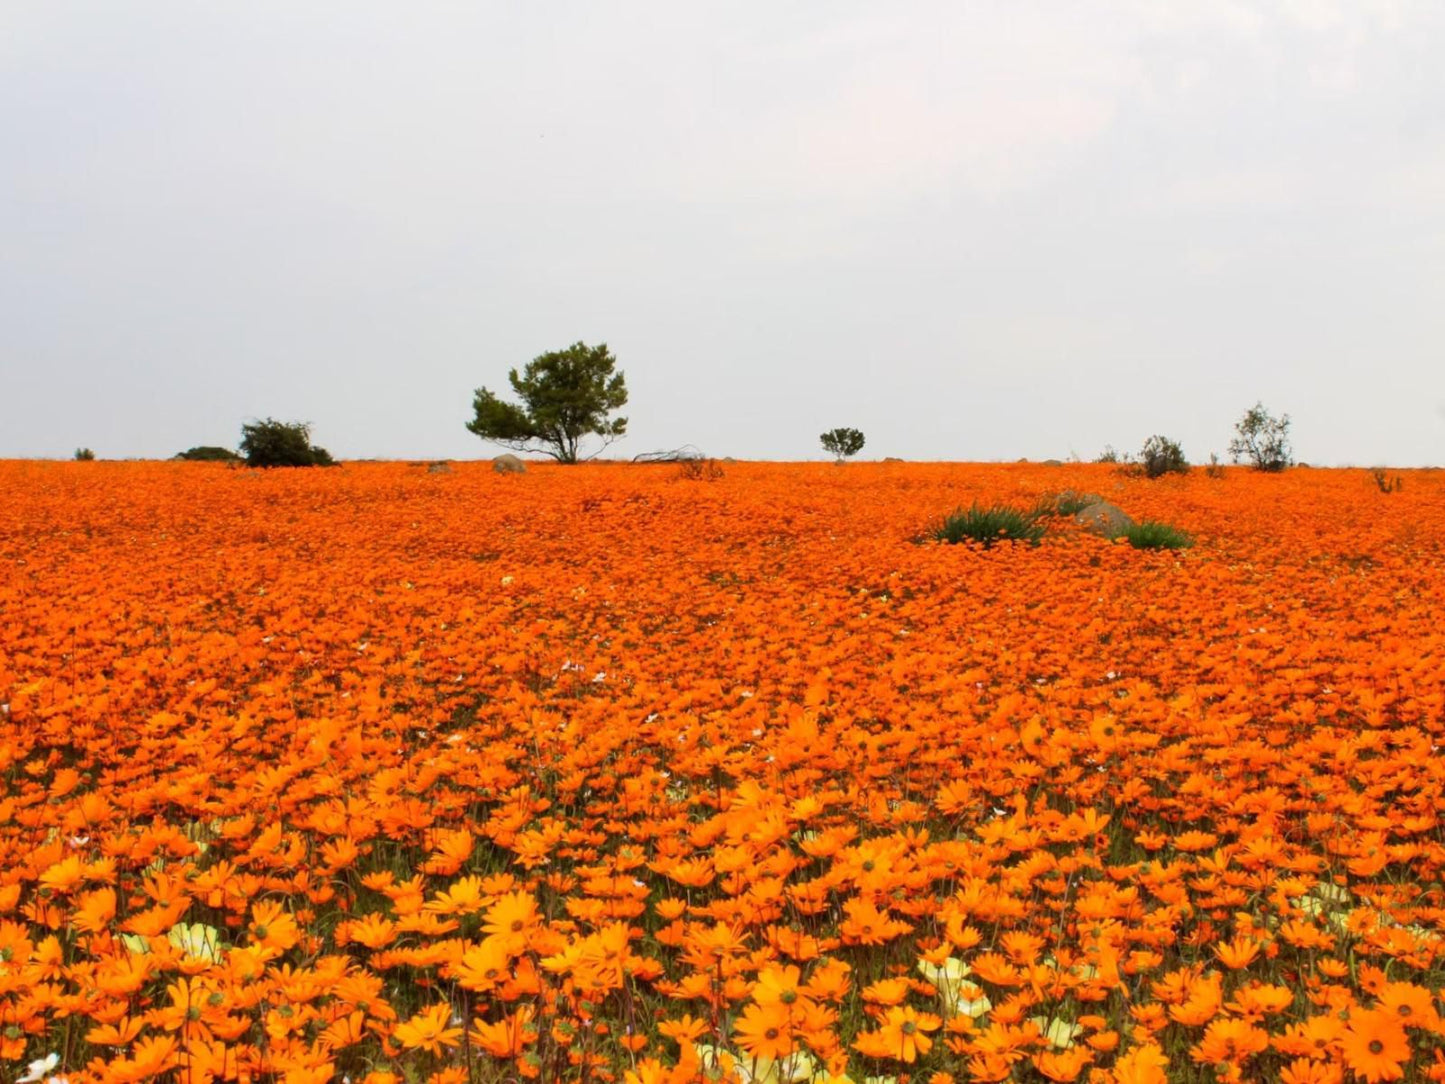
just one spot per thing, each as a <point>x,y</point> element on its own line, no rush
<point>565,395</point>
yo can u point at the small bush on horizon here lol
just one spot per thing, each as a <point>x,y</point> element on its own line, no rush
<point>990,525</point>
<point>208,453</point>
<point>84,455</point>
<point>842,442</point>
<point>1262,439</point>
<point>1386,483</point>
<point>1151,535</point>
<point>700,470</point>
<point>270,443</point>
<point>1110,454</point>
<point>1214,469</point>
<point>1161,456</point>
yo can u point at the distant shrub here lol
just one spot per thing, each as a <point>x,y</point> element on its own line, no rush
<point>209,453</point>
<point>1262,439</point>
<point>1151,535</point>
<point>84,455</point>
<point>1386,483</point>
<point>843,442</point>
<point>1110,455</point>
<point>270,443</point>
<point>1161,456</point>
<point>1215,469</point>
<point>700,470</point>
<point>989,525</point>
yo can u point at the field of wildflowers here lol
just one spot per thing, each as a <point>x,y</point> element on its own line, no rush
<point>604,774</point>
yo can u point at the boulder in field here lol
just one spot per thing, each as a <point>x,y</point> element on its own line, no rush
<point>508,464</point>
<point>1103,518</point>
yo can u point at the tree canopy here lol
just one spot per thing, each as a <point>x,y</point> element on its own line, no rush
<point>842,442</point>
<point>565,396</point>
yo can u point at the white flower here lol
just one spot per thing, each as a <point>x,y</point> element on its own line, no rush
<point>950,980</point>
<point>39,1069</point>
<point>1059,1033</point>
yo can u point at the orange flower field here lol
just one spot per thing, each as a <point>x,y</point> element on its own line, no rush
<point>607,774</point>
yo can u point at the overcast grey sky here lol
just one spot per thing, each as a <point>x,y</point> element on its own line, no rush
<point>974,230</point>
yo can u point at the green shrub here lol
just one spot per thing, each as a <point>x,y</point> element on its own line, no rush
<point>208,453</point>
<point>1151,535</point>
<point>986,526</point>
<point>270,443</point>
<point>84,455</point>
<point>1161,456</point>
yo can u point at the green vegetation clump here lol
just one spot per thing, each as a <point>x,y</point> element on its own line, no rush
<point>989,525</point>
<point>84,455</point>
<point>1262,439</point>
<point>1161,456</point>
<point>270,443</point>
<point>842,442</point>
<point>565,395</point>
<point>1152,535</point>
<point>209,453</point>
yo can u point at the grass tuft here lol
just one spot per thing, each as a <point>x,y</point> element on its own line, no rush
<point>987,526</point>
<point>1151,535</point>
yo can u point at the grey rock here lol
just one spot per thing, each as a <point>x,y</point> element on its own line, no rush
<point>1103,518</point>
<point>508,464</point>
